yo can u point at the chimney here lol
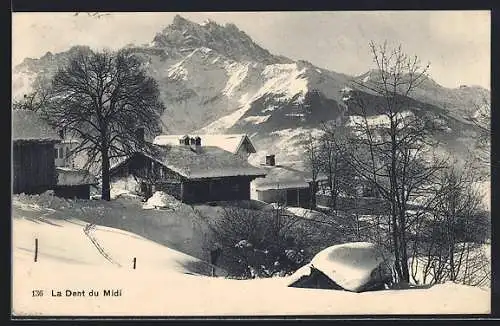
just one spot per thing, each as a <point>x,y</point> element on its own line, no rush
<point>184,140</point>
<point>270,161</point>
<point>139,134</point>
<point>197,142</point>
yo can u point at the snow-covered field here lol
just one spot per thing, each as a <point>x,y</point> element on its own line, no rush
<point>78,258</point>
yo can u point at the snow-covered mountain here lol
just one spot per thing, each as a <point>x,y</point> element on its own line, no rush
<point>216,79</point>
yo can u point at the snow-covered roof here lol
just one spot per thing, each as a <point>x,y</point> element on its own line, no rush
<point>29,126</point>
<point>229,142</point>
<point>205,162</point>
<point>73,177</point>
<point>350,265</point>
<point>285,176</point>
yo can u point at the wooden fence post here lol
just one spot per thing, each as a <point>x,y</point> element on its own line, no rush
<point>36,249</point>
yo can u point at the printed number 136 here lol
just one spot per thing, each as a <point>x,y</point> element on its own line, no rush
<point>37,293</point>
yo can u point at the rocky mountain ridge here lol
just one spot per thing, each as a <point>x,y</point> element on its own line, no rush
<point>215,79</point>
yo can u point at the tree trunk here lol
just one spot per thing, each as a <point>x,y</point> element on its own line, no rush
<point>313,194</point>
<point>331,189</point>
<point>395,246</point>
<point>106,191</point>
<point>334,186</point>
<point>404,258</point>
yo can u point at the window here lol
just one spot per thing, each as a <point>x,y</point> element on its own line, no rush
<point>59,153</point>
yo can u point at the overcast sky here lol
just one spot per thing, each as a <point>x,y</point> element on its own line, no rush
<point>456,43</point>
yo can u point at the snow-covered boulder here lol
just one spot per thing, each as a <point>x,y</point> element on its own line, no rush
<point>161,199</point>
<point>356,267</point>
<point>126,186</point>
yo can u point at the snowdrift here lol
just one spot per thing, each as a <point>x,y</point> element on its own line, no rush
<point>78,243</point>
<point>161,200</point>
<point>81,257</point>
<point>353,266</point>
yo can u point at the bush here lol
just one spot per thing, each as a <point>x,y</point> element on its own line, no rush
<point>266,243</point>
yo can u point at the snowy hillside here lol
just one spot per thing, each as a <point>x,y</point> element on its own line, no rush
<point>169,283</point>
<point>215,79</point>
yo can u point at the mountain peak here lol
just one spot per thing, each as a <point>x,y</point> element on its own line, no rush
<point>228,40</point>
<point>179,20</point>
<point>425,81</point>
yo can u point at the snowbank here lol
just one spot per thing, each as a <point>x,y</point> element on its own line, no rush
<point>306,213</point>
<point>152,292</point>
<point>180,228</point>
<point>124,186</point>
<point>161,199</point>
<point>44,200</point>
<point>70,242</point>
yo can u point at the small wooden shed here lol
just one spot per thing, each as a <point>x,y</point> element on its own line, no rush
<point>73,183</point>
<point>33,142</point>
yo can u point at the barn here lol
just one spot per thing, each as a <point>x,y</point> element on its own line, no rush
<point>286,183</point>
<point>191,173</point>
<point>33,142</point>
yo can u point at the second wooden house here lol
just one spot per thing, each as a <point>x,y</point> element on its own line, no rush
<point>287,183</point>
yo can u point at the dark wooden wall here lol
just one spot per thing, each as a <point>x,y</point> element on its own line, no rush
<point>272,196</point>
<point>304,198</point>
<point>33,167</point>
<point>79,191</point>
<point>293,197</point>
<point>216,189</point>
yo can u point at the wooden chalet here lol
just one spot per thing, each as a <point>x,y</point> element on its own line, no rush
<point>33,140</point>
<point>189,172</point>
<point>287,184</point>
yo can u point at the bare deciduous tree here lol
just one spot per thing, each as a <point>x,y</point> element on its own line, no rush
<point>451,232</point>
<point>36,99</point>
<point>390,147</point>
<point>313,163</point>
<point>331,162</point>
<point>480,115</point>
<point>101,98</point>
